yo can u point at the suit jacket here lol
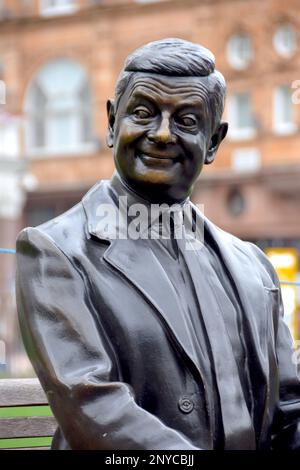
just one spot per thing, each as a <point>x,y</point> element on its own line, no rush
<point>104,332</point>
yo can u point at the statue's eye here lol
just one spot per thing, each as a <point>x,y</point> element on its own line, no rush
<point>187,120</point>
<point>142,113</point>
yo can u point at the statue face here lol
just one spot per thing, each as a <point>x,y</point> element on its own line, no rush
<point>162,134</point>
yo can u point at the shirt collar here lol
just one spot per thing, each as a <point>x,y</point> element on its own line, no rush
<point>156,217</point>
<point>120,188</point>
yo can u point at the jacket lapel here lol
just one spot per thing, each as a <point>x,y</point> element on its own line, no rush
<point>136,261</point>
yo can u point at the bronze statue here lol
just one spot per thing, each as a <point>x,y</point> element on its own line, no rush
<point>152,342</point>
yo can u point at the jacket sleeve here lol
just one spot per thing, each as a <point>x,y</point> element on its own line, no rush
<point>73,358</point>
<point>286,426</point>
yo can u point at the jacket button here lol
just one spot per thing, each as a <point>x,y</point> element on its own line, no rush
<point>186,405</point>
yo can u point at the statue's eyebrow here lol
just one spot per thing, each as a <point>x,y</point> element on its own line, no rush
<point>139,95</point>
<point>198,104</point>
<point>196,99</point>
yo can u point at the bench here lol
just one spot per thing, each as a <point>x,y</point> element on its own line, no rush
<point>26,420</point>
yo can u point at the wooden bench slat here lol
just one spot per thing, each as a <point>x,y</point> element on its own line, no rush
<point>17,392</point>
<point>33,426</point>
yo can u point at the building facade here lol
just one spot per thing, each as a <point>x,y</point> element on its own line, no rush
<point>59,60</point>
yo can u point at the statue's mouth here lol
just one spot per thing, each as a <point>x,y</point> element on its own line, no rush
<point>155,159</point>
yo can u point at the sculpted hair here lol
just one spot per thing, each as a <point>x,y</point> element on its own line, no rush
<point>176,58</point>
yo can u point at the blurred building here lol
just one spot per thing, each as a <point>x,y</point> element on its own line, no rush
<point>59,60</point>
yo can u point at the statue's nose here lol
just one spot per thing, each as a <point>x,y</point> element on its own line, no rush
<point>163,133</point>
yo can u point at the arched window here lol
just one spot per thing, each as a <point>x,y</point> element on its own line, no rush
<point>239,51</point>
<point>283,110</point>
<point>285,40</point>
<point>58,109</point>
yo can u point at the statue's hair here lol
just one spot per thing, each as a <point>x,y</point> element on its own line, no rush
<point>177,58</point>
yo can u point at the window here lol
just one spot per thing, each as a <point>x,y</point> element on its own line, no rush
<point>2,91</point>
<point>58,109</point>
<point>285,41</point>
<point>44,205</point>
<point>240,116</point>
<point>57,7</point>
<point>2,68</point>
<point>236,203</point>
<point>283,119</point>
<point>246,160</point>
<point>239,51</point>
<point>39,215</point>
<point>9,136</point>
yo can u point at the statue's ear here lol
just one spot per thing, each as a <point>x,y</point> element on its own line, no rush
<point>215,141</point>
<point>110,107</point>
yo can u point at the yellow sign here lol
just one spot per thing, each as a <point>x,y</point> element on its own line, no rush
<point>286,264</point>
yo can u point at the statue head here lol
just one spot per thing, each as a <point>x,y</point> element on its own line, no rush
<point>165,120</point>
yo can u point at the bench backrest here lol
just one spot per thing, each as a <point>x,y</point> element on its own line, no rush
<point>26,420</point>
